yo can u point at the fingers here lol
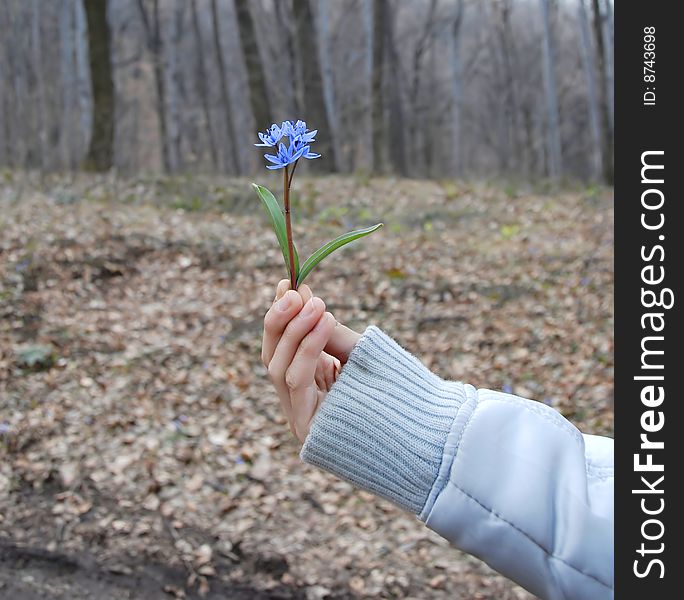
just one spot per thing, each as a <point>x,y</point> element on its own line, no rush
<point>287,346</point>
<point>300,374</point>
<point>292,335</point>
<point>327,370</point>
<point>276,320</point>
<point>305,292</point>
<point>342,341</point>
<point>283,286</point>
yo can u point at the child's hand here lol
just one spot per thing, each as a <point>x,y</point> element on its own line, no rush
<point>296,331</point>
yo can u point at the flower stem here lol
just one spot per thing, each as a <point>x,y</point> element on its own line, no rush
<point>288,227</point>
<point>289,183</point>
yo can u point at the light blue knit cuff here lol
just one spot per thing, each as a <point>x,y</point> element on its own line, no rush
<point>384,423</point>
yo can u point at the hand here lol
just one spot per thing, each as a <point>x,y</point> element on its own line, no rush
<point>304,349</point>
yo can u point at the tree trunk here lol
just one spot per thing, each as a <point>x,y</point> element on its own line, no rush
<point>380,17</point>
<point>313,98</point>
<point>553,128</point>
<point>418,110</point>
<point>606,130</point>
<point>84,101</point>
<point>232,164</point>
<point>41,119</point>
<point>293,100</point>
<point>588,62</point>
<point>514,148</point>
<point>173,74</point>
<point>5,142</point>
<point>155,45</point>
<point>100,152</point>
<point>7,91</point>
<point>397,138</point>
<point>17,126</point>
<point>202,89</point>
<point>456,90</point>
<point>608,44</point>
<point>258,91</point>
<point>367,142</point>
<point>67,82</point>
<point>327,78</point>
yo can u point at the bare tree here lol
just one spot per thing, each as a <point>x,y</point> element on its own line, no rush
<point>6,104</point>
<point>202,87</point>
<point>368,144</point>
<point>293,101</point>
<point>388,138</point>
<point>17,57</point>
<point>608,45</point>
<point>327,77</point>
<point>589,64</point>
<point>100,151</point>
<point>84,91</point>
<point>423,44</point>
<point>554,139</point>
<point>606,129</point>
<point>396,138</point>
<point>258,92</point>
<point>172,73</point>
<point>515,151</point>
<point>380,17</point>
<point>154,41</point>
<point>232,164</point>
<point>456,88</point>
<point>400,79</point>
<point>67,81</point>
<point>41,117</point>
<point>313,99</point>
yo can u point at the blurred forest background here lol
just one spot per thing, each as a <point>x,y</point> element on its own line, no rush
<point>421,88</point>
<point>143,453</point>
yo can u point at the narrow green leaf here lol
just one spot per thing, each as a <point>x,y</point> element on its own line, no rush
<point>330,247</point>
<point>278,223</point>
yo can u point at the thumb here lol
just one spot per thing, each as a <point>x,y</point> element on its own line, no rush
<point>341,342</point>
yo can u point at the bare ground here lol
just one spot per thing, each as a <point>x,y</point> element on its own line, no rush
<point>142,452</point>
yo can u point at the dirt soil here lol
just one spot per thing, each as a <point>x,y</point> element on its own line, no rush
<point>142,450</point>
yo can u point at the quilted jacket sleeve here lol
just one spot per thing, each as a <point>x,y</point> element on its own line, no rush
<point>504,478</point>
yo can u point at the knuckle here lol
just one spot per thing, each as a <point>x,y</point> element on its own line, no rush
<point>269,322</point>
<point>292,381</point>
<point>273,375</point>
<point>291,333</point>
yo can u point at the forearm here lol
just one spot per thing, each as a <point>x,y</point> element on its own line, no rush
<point>384,423</point>
<point>501,477</point>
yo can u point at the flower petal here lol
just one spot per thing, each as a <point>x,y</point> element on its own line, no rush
<point>298,154</point>
<point>309,136</point>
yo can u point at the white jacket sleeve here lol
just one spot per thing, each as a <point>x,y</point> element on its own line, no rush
<point>506,479</point>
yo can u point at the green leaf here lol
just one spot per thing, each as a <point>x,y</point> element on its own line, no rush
<point>330,247</point>
<point>278,224</point>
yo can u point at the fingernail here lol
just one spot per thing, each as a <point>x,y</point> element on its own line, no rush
<point>284,303</point>
<point>308,308</point>
<point>322,321</point>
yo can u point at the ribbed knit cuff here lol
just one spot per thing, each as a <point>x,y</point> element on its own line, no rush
<point>384,423</point>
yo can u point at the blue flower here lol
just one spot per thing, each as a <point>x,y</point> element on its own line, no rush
<point>271,137</point>
<point>299,143</point>
<point>298,131</point>
<point>286,155</point>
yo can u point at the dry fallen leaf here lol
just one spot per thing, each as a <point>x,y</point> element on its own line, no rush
<point>153,422</point>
